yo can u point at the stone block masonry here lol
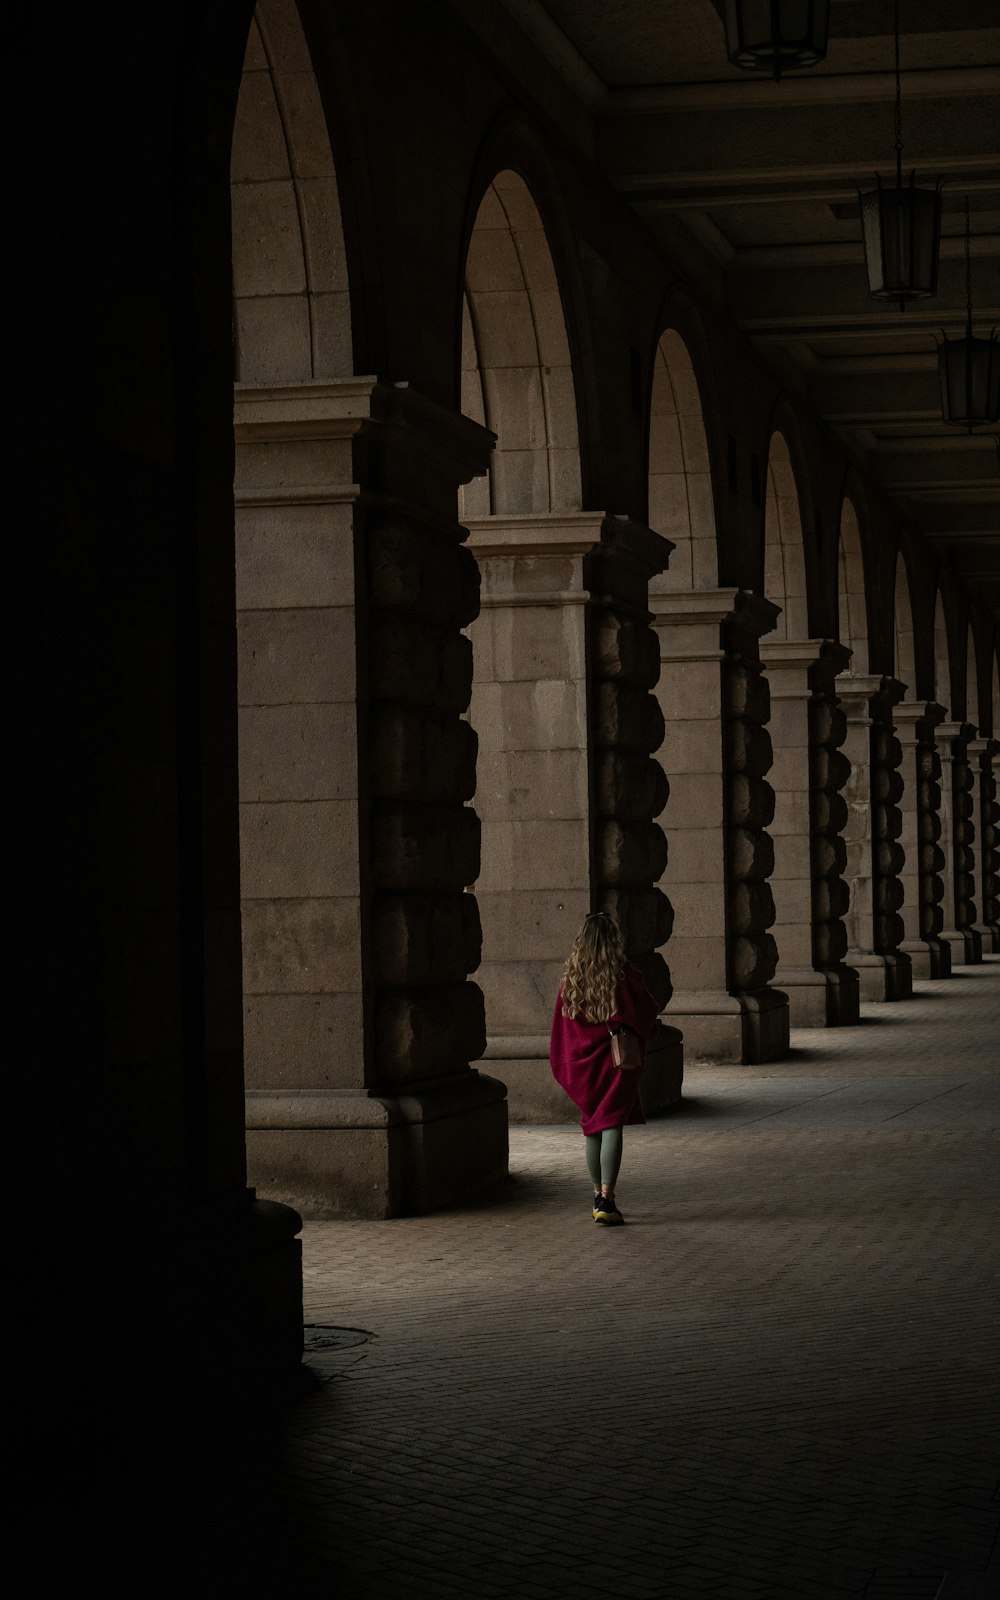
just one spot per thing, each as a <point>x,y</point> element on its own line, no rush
<point>569,790</point>
<point>357,769</point>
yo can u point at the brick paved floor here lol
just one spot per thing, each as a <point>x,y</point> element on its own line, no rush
<point>780,1379</point>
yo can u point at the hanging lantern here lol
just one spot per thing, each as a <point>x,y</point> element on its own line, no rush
<point>901,226</point>
<point>969,368</point>
<point>776,35</point>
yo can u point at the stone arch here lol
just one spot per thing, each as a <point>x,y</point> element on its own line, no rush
<point>291,304</point>
<point>853,609</point>
<point>904,655</point>
<point>517,369</point>
<point>299,684</point>
<point>805,773</point>
<point>681,496</point>
<point>942,654</point>
<point>530,692</point>
<point>784,553</point>
<point>972,706</point>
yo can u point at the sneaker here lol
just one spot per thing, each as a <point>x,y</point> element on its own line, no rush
<point>596,1203</point>
<point>607,1212</point>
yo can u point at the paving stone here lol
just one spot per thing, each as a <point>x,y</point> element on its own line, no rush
<point>778,1380</point>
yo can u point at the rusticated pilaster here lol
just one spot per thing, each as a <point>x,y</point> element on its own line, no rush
<point>753,954</point>
<point>630,786</point>
<point>569,790</point>
<point>717,753</point>
<point>357,769</point>
<point>978,756</point>
<point>829,770</point>
<point>874,825</point>
<point>887,790</point>
<point>923,886</point>
<point>965,858</point>
<point>807,729</point>
<point>990,856</point>
<point>426,939</point>
<point>958,833</point>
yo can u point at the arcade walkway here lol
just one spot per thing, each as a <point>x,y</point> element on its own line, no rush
<point>781,1379</point>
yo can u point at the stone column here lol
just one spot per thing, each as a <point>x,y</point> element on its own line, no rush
<point>989,815</point>
<point>978,756</point>
<point>355,772</point>
<point>810,896</point>
<point>920,805</point>
<point>716,753</point>
<point>874,824</point>
<point>567,791</point>
<point>958,831</point>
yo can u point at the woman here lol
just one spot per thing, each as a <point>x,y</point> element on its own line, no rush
<point>601,994</point>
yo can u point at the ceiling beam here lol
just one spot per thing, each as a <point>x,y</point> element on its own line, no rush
<point>746,94</point>
<point>833,186</point>
<point>876,398</point>
<point>779,146</point>
<point>783,257</point>
<point>799,304</point>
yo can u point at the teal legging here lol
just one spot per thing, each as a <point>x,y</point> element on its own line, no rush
<point>604,1156</point>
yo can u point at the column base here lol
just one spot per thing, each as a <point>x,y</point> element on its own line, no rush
<point>521,1061</point>
<point>248,1273</point>
<point>379,1156</point>
<point>216,1290</point>
<point>746,1028</point>
<point>882,977</point>
<point>820,997</point>
<point>929,958</point>
<point>965,944</point>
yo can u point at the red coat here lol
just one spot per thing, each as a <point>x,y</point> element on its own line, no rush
<point>580,1057</point>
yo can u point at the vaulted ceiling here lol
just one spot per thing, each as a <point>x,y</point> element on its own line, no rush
<point>760,179</point>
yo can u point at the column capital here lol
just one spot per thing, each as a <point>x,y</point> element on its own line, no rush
<point>956,732</point>
<point>818,661</point>
<point>455,448</point>
<point>878,694</point>
<point>556,533</point>
<point>707,619</point>
<point>917,719</point>
<point>984,746</point>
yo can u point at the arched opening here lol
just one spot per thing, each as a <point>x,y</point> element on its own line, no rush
<point>873,822</point>
<point>298,670</point>
<point>681,507</point>
<point>902,613</point>
<point>681,504</point>
<point>972,713</point>
<point>852,600</point>
<point>957,804</point>
<point>784,556</point>
<point>517,373</point>
<point>529,702</point>
<point>794,668</point>
<point>942,656</point>
<point>291,306</point>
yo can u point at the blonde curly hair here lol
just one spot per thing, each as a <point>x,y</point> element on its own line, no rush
<point>595,965</point>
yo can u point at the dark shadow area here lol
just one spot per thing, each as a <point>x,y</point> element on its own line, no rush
<point>694,1108</point>
<point>516,1189</point>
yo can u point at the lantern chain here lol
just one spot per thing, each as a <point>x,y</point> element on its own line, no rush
<point>899,103</point>
<point>968,270</point>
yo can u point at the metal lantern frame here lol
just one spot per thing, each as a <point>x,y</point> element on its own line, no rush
<point>776,35</point>
<point>969,367</point>
<point>901,225</point>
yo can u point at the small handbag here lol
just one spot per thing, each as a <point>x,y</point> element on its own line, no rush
<point>626,1051</point>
